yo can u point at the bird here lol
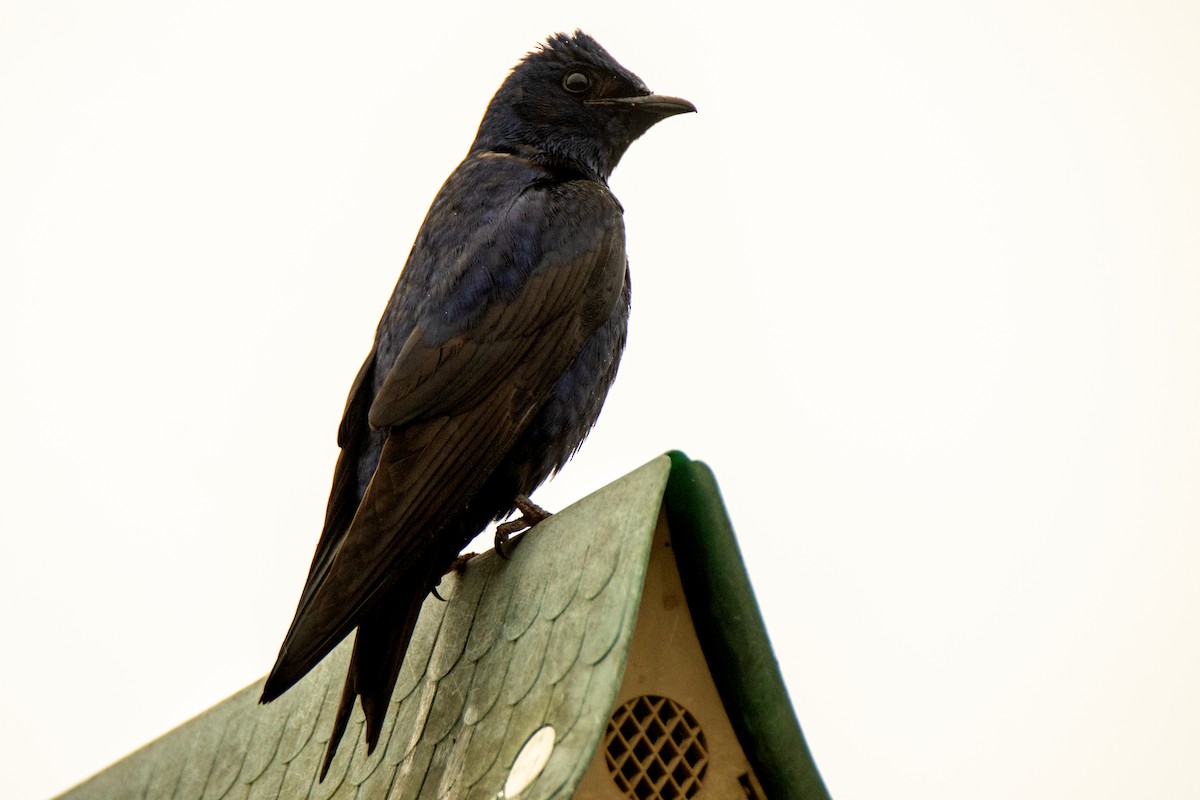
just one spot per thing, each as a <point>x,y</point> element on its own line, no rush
<point>490,363</point>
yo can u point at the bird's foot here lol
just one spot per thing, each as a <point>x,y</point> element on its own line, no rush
<point>456,566</point>
<point>460,563</point>
<point>508,533</point>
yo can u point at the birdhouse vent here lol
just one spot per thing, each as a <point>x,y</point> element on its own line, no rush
<point>655,749</point>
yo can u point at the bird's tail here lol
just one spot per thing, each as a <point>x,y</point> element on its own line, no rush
<point>379,647</point>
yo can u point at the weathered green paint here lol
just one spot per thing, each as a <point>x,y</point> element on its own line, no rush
<point>541,639</point>
<point>731,633</point>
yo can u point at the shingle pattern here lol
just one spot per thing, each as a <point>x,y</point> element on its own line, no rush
<point>541,639</point>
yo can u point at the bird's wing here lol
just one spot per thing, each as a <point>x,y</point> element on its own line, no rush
<point>456,404</point>
<point>343,496</point>
<point>575,280</point>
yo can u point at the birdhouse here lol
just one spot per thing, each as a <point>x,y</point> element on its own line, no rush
<point>619,653</point>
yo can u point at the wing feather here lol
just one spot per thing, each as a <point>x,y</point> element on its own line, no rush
<point>454,406</point>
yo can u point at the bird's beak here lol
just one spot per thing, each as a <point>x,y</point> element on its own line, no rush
<point>660,105</point>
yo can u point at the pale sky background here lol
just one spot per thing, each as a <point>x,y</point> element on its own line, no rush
<point>921,283</point>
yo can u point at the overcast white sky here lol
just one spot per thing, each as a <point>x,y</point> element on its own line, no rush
<point>920,281</point>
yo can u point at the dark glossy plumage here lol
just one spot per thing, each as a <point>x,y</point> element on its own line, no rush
<point>490,364</point>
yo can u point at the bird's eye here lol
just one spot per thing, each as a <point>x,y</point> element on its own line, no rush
<point>576,82</point>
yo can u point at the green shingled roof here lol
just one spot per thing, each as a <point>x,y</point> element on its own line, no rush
<point>539,640</point>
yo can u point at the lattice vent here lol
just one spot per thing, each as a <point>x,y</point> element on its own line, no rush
<point>655,749</point>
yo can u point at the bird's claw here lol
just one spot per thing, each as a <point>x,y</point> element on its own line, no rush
<point>460,563</point>
<point>508,533</point>
<point>456,566</point>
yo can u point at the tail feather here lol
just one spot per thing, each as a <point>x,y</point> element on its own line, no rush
<point>345,706</point>
<point>379,647</point>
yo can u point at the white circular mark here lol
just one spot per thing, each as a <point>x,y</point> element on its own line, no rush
<point>528,765</point>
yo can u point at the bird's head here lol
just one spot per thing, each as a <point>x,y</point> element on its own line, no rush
<point>570,102</point>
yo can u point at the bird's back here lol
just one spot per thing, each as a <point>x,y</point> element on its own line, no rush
<point>490,365</point>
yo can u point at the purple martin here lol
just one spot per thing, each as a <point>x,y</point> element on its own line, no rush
<point>490,363</point>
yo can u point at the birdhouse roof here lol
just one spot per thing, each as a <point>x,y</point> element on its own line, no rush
<point>534,644</point>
